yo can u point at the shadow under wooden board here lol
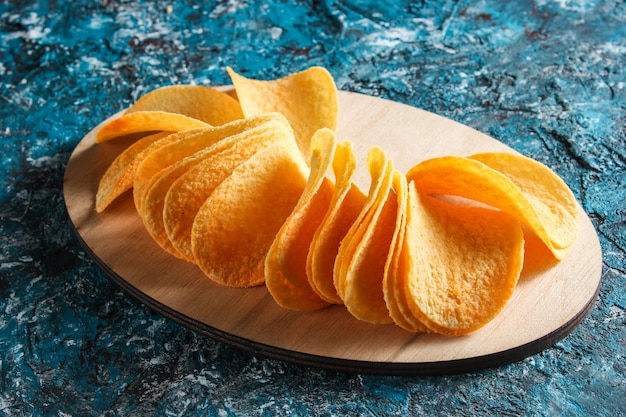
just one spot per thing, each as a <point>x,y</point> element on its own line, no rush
<point>549,302</point>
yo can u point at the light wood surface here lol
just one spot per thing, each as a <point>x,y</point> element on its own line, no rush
<point>548,303</point>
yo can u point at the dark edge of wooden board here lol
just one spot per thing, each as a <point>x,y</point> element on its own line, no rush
<point>437,368</point>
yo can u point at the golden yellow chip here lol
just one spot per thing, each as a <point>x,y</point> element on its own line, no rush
<point>154,201</point>
<point>369,246</point>
<point>120,175</point>
<point>393,284</point>
<point>308,99</point>
<point>461,263</point>
<point>203,103</point>
<point>379,167</point>
<point>196,177</point>
<point>162,157</point>
<point>236,225</point>
<point>146,121</point>
<point>475,180</point>
<point>285,265</point>
<point>168,163</point>
<point>552,199</point>
<point>150,163</point>
<point>346,204</point>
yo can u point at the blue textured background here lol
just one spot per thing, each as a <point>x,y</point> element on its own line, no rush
<point>545,77</point>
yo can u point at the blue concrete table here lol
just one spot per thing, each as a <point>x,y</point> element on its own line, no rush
<point>547,78</point>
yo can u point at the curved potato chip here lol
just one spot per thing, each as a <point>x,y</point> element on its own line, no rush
<point>168,163</point>
<point>393,284</point>
<point>236,225</point>
<point>475,180</point>
<point>308,99</point>
<point>146,121</point>
<point>462,263</point>
<point>547,192</point>
<point>194,182</point>
<point>369,250</point>
<point>162,157</point>
<point>285,264</point>
<point>154,194</point>
<point>379,166</point>
<point>120,175</point>
<point>154,159</point>
<point>203,103</point>
<point>345,206</point>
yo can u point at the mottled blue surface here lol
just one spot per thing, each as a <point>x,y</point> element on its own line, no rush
<point>546,77</point>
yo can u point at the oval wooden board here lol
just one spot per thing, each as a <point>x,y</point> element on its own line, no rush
<point>548,303</point>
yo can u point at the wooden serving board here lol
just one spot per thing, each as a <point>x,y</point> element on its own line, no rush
<point>548,303</point>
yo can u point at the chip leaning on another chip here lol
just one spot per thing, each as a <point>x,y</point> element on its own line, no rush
<point>120,175</point>
<point>236,226</point>
<point>286,262</point>
<point>347,202</point>
<point>477,181</point>
<point>174,148</point>
<point>198,102</point>
<point>380,168</point>
<point>369,247</point>
<point>462,263</point>
<point>548,194</point>
<point>399,262</point>
<point>145,122</point>
<point>195,184</point>
<point>308,99</point>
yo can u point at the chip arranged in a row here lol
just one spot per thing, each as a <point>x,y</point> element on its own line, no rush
<point>259,190</point>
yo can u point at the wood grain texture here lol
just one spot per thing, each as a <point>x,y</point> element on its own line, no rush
<point>549,302</point>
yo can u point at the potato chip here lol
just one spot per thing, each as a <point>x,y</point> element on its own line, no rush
<point>119,177</point>
<point>198,102</point>
<point>308,99</point>
<point>154,159</point>
<point>146,121</point>
<point>379,167</point>
<point>155,192</point>
<point>285,264</point>
<point>237,224</point>
<point>475,180</point>
<point>552,199</point>
<point>394,274</point>
<point>162,157</point>
<point>196,177</point>
<point>345,206</point>
<point>166,164</point>
<point>462,263</point>
<point>369,248</point>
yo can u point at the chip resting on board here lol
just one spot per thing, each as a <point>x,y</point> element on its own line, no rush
<point>196,177</point>
<point>395,273</point>
<point>285,265</point>
<point>368,247</point>
<point>461,263</point>
<point>380,168</point>
<point>166,164</point>
<point>346,204</point>
<point>236,226</point>
<point>120,175</point>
